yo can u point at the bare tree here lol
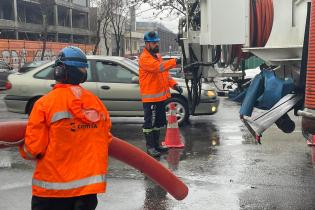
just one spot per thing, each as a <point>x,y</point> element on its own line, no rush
<point>168,7</point>
<point>120,10</point>
<point>111,20</point>
<point>107,33</point>
<point>46,10</point>
<point>103,17</point>
<point>118,20</point>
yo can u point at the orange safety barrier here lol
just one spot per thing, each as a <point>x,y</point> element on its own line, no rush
<point>18,52</point>
<point>310,74</point>
<point>12,134</point>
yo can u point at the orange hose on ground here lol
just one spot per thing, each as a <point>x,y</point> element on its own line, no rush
<point>309,101</point>
<point>135,157</point>
<point>12,134</point>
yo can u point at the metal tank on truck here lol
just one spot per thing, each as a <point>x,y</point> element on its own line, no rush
<point>217,36</point>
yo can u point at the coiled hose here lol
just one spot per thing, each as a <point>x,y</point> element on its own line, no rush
<point>261,21</point>
<point>310,74</point>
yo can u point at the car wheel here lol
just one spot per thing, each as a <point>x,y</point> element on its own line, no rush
<point>182,111</point>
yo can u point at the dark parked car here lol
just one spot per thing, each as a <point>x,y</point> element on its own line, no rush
<point>5,70</point>
<point>31,65</point>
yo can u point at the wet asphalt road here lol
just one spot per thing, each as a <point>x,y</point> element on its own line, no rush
<point>221,164</point>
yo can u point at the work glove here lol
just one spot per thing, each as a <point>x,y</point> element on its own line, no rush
<point>178,89</point>
<point>178,61</point>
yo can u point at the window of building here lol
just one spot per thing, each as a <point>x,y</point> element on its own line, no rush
<point>64,38</point>
<point>80,39</point>
<point>63,16</point>
<point>79,19</point>
<point>7,34</point>
<point>6,10</point>
<point>29,12</point>
<point>51,37</point>
<point>29,36</point>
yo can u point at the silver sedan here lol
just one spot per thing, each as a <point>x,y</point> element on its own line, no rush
<point>113,79</point>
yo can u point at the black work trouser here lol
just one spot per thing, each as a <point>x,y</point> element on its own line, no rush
<point>154,115</point>
<point>84,202</point>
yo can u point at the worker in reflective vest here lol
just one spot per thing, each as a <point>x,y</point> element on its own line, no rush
<point>68,134</point>
<point>155,83</point>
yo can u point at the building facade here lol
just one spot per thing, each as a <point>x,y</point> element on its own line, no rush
<point>68,21</point>
<point>168,38</point>
<point>133,43</point>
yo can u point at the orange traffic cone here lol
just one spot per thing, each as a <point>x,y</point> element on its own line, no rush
<point>172,138</point>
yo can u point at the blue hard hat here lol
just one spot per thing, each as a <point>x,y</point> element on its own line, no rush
<point>151,36</point>
<point>72,56</point>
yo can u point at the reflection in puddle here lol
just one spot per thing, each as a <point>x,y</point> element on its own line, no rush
<point>155,196</point>
<point>200,139</point>
<point>173,158</point>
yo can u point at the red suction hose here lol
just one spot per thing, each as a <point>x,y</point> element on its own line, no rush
<point>12,134</point>
<point>310,74</point>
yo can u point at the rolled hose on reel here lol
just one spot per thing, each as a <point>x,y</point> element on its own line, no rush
<point>12,134</point>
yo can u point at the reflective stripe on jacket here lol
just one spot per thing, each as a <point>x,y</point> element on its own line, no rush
<point>155,81</point>
<point>68,133</point>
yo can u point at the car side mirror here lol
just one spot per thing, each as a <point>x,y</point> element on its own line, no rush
<point>135,79</point>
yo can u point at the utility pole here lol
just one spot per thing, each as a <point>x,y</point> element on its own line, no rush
<point>131,28</point>
<point>130,38</point>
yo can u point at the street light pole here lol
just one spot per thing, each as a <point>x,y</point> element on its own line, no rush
<point>130,39</point>
<point>132,14</point>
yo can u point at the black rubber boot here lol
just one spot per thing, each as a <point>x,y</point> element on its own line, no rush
<point>150,145</point>
<point>158,147</point>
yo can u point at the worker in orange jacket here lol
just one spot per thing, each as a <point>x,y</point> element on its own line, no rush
<point>155,83</point>
<point>68,134</point>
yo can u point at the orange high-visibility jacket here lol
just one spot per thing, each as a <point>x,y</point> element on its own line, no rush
<point>68,133</point>
<point>154,78</point>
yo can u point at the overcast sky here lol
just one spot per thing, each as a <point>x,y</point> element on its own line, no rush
<point>146,14</point>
